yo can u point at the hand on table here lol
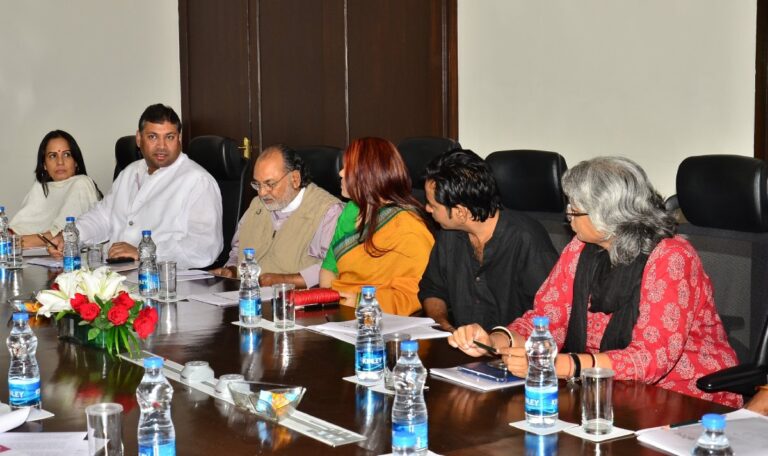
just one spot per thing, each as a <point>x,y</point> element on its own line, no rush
<point>515,359</point>
<point>57,252</point>
<point>228,272</point>
<point>123,250</point>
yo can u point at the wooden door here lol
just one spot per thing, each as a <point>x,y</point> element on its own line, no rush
<point>309,72</point>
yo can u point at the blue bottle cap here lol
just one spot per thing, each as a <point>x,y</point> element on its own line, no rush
<point>713,421</point>
<point>541,321</point>
<point>70,219</point>
<point>20,316</point>
<point>2,208</point>
<point>249,251</point>
<point>369,289</point>
<point>146,233</point>
<point>409,345</point>
<point>153,362</point>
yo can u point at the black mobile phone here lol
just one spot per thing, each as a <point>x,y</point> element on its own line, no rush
<point>118,260</point>
<point>484,370</point>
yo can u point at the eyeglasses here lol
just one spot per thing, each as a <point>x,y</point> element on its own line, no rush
<point>570,213</point>
<point>268,186</point>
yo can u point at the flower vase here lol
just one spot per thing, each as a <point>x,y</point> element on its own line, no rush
<point>71,330</point>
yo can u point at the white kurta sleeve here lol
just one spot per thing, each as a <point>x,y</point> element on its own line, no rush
<point>95,225</point>
<point>202,242</point>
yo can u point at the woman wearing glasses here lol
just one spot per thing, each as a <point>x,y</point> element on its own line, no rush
<point>62,188</point>
<point>382,236</point>
<point>626,293</point>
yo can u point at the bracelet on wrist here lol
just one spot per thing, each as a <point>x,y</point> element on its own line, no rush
<point>576,369</point>
<point>502,329</point>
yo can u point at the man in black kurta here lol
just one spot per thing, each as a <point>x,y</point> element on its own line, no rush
<point>487,262</point>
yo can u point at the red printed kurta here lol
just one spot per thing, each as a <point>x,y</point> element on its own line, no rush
<point>678,336</point>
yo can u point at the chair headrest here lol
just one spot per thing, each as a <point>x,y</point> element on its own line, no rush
<point>529,180</point>
<point>324,164</point>
<point>218,155</point>
<point>418,151</point>
<point>126,150</point>
<point>724,191</point>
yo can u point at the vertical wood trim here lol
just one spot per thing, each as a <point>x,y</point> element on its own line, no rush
<point>249,72</point>
<point>258,80</point>
<point>761,81</point>
<point>186,109</point>
<point>346,73</point>
<point>452,70</point>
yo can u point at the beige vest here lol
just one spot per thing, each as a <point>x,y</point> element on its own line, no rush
<point>285,251</point>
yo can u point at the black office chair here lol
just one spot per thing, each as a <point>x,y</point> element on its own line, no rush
<point>324,163</point>
<point>529,181</point>
<point>222,159</point>
<point>725,200</point>
<point>126,152</point>
<point>417,152</point>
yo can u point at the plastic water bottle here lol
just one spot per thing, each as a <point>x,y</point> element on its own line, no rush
<point>5,239</point>
<point>157,436</point>
<point>71,246</point>
<point>409,411</point>
<point>250,294</point>
<point>369,347</point>
<point>149,277</point>
<point>541,381</point>
<point>713,441</point>
<point>23,374</point>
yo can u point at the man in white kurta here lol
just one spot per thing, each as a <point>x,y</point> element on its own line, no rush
<point>166,193</point>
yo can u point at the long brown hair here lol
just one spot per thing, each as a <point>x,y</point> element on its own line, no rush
<point>376,177</point>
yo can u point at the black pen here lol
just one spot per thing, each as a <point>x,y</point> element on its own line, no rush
<point>485,347</point>
<point>684,423</point>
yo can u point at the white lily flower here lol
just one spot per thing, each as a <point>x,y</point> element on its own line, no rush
<point>52,301</point>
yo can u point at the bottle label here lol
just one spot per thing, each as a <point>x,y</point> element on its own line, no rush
<point>250,307</point>
<point>5,247</point>
<point>149,282</point>
<point>541,401</point>
<point>71,263</point>
<point>23,392</point>
<point>369,360</point>
<point>414,435</point>
<point>168,449</point>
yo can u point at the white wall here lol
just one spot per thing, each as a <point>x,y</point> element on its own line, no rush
<point>89,67</point>
<point>654,80</point>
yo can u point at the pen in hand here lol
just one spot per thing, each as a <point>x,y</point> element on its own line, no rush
<point>485,347</point>
<point>47,241</point>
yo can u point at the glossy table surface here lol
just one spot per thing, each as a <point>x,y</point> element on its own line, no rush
<point>461,421</point>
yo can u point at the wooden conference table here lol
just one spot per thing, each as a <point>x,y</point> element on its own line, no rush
<point>461,421</point>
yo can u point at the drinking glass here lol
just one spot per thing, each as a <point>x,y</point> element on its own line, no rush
<point>105,432</point>
<point>283,308</point>
<point>596,400</point>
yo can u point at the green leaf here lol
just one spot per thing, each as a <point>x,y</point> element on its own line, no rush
<point>61,314</point>
<point>93,333</point>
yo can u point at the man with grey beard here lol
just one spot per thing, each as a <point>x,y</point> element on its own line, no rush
<point>289,224</point>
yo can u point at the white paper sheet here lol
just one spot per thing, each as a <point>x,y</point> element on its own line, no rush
<point>47,262</point>
<point>746,432</point>
<point>227,298</point>
<point>34,252</point>
<point>43,444</point>
<point>14,419</point>
<point>475,382</point>
<point>417,328</point>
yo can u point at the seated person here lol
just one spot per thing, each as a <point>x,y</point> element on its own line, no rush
<point>62,189</point>
<point>166,193</point>
<point>487,262</point>
<point>382,237</point>
<point>289,225</point>
<point>626,293</point>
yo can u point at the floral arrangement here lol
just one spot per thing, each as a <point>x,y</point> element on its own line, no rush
<point>102,302</point>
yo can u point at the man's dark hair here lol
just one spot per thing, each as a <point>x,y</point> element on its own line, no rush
<point>159,113</point>
<point>461,177</point>
<point>293,162</point>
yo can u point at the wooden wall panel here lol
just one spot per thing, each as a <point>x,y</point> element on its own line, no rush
<point>301,45</point>
<point>396,68</point>
<point>214,68</point>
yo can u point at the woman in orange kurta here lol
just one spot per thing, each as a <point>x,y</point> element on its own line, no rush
<point>393,255</point>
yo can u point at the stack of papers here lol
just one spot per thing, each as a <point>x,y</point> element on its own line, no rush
<point>34,252</point>
<point>227,298</point>
<point>418,328</point>
<point>745,431</point>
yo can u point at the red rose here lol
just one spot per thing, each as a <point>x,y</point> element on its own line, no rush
<point>78,301</point>
<point>117,315</point>
<point>144,326</point>
<point>55,286</point>
<point>123,300</point>
<point>149,312</point>
<point>89,311</point>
